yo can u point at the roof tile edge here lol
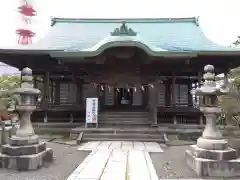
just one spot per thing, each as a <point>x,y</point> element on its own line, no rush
<point>55,20</point>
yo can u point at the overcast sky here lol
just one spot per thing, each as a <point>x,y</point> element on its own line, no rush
<point>219,19</point>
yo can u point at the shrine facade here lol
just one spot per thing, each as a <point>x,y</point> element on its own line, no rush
<point>130,65</point>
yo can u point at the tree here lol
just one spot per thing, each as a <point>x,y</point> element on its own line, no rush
<point>237,42</point>
<point>7,84</point>
<point>231,103</point>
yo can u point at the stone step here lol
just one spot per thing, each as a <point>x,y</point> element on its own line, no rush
<point>124,112</point>
<point>160,140</point>
<point>123,122</point>
<point>123,118</point>
<point>121,135</point>
<point>57,120</point>
<point>57,125</point>
<point>116,130</point>
<point>42,130</point>
<point>123,115</point>
<point>124,133</point>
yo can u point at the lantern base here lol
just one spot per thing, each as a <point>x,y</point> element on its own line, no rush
<point>25,153</point>
<point>212,144</point>
<point>213,163</point>
<point>24,140</point>
<point>26,162</point>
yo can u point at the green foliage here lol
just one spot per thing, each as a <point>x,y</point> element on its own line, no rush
<point>231,103</point>
<point>237,41</point>
<point>7,84</point>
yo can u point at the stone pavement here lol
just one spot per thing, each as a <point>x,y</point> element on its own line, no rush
<point>169,164</point>
<point>117,161</point>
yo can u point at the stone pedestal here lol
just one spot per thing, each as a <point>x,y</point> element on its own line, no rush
<point>212,156</point>
<point>24,151</point>
<point>211,162</point>
<point>25,157</point>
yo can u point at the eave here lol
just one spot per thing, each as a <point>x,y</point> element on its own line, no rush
<point>219,53</point>
<point>86,54</point>
<point>28,51</point>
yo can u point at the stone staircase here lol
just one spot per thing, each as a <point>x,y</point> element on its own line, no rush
<point>119,126</point>
<point>123,119</point>
<point>117,134</point>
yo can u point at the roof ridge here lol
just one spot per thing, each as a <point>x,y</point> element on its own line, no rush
<point>55,20</point>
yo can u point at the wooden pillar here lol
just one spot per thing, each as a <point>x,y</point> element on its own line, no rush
<point>57,92</point>
<point>167,93</point>
<point>173,90</point>
<point>199,83</point>
<point>102,96</point>
<point>190,99</point>
<point>79,85</point>
<point>52,90</point>
<point>173,103</point>
<point>46,88</point>
<point>155,118</point>
<point>46,94</point>
<point>152,104</point>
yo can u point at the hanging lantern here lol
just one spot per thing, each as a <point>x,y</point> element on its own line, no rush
<point>27,12</point>
<point>25,34</point>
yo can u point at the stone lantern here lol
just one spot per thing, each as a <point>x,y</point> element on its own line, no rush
<point>25,152</point>
<point>211,156</point>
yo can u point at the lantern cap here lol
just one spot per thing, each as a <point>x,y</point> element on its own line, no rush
<point>26,72</point>
<point>209,68</point>
<point>209,86</point>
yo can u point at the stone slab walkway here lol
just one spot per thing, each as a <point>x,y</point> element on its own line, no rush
<point>117,160</point>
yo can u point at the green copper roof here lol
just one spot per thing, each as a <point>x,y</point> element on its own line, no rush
<point>88,37</point>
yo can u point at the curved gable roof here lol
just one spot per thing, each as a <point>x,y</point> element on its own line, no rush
<point>80,35</point>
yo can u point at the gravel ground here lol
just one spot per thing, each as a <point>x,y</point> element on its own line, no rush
<point>66,159</point>
<point>171,163</point>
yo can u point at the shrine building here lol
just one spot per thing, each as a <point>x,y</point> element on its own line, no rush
<point>142,68</point>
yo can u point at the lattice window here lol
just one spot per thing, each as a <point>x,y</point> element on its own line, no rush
<point>181,94</point>
<point>68,92</point>
<point>161,94</point>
